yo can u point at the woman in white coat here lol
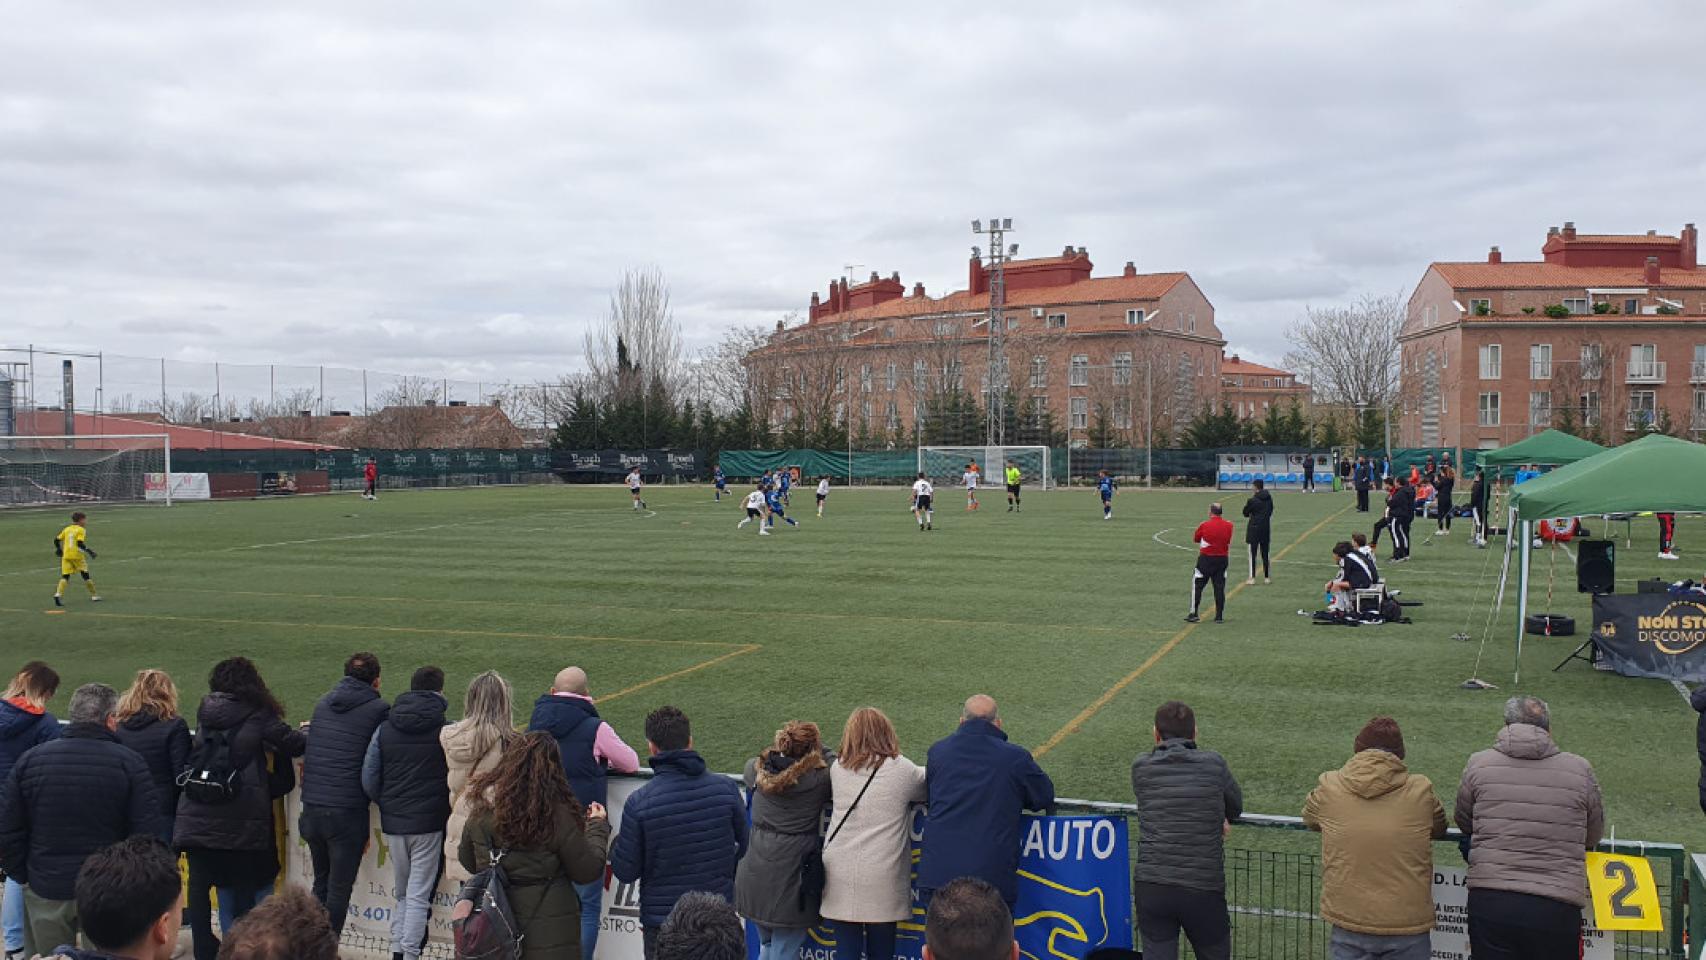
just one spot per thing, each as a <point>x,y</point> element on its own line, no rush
<point>473,745</point>
<point>868,864</point>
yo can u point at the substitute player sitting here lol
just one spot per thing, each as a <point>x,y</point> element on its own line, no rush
<point>922,492</point>
<point>970,480</point>
<point>74,552</point>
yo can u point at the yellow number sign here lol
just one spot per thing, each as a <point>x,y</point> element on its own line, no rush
<point>1625,896</point>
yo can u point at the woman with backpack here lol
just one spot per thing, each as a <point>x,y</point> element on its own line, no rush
<point>868,865</point>
<point>523,810</point>
<point>788,785</point>
<point>472,746</point>
<point>240,763</point>
<point>24,723</point>
<point>148,723</point>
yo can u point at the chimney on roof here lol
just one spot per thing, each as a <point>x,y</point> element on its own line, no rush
<point>895,277</point>
<point>340,413</point>
<point>1130,269</point>
<point>1551,231</point>
<point>1652,271</point>
<point>432,403</point>
<point>305,413</point>
<point>918,289</point>
<point>1083,252</point>
<point>1494,256</point>
<point>1569,229</point>
<point>873,276</point>
<point>1689,255</point>
<point>1652,233</point>
<point>1067,252</point>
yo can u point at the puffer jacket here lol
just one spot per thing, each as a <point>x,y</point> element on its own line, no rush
<point>574,723</point>
<point>165,746</point>
<point>1532,812</point>
<point>786,825</point>
<point>1260,510</point>
<point>1184,796</point>
<point>684,831</point>
<point>1377,822</point>
<point>343,723</point>
<point>1698,700</point>
<point>979,786</point>
<point>65,800</point>
<point>405,771</point>
<point>246,823</point>
<point>540,894</point>
<point>22,727</point>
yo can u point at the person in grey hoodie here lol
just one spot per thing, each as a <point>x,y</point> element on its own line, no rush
<point>1532,812</point>
<point>1258,510</point>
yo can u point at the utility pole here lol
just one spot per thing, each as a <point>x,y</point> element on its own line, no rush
<point>995,424</point>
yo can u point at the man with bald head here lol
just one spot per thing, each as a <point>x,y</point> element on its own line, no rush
<point>978,786</point>
<point>590,747</point>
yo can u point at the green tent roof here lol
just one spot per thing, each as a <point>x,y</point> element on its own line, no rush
<point>1656,473</point>
<point>1550,448</point>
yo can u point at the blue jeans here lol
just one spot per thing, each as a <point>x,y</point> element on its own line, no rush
<point>873,941</point>
<point>592,914</point>
<point>12,915</point>
<point>781,943</point>
<point>1346,945</point>
<point>234,902</point>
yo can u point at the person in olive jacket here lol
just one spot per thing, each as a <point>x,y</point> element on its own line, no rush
<point>788,785</point>
<point>148,723</point>
<point>1258,510</point>
<point>232,846</point>
<point>1186,802</point>
<point>406,774</point>
<point>334,817</point>
<point>525,809</point>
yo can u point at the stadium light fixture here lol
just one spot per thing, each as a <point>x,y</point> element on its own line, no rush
<point>1013,250</point>
<point>977,253</point>
<point>1006,223</point>
<point>977,226</point>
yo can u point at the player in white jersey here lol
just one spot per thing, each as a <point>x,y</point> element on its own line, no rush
<point>634,485</point>
<point>755,511</point>
<point>922,491</point>
<point>822,493</point>
<point>970,480</point>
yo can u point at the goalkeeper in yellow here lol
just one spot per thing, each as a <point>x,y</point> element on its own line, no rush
<point>72,546</point>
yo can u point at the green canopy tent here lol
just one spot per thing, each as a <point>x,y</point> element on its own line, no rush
<point>1551,448</point>
<point>1656,473</point>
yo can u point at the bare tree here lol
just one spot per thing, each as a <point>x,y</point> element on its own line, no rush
<point>1349,354</point>
<point>639,335</point>
<point>404,420</point>
<point>191,407</point>
<point>736,374</point>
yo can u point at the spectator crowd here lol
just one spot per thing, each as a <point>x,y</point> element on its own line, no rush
<point>94,814</point>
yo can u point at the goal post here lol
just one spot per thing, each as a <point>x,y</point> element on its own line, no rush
<point>946,465</point>
<point>85,468</point>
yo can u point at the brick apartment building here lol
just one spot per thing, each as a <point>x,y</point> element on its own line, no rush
<point>1090,350</point>
<point>1251,388</point>
<point>1605,335</point>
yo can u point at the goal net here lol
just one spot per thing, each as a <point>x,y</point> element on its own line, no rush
<point>38,471</point>
<point>946,465</point>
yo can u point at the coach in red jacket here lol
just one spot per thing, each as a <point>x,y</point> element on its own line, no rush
<point>1214,537</point>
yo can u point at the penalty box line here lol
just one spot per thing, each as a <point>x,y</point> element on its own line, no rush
<point>1100,703</point>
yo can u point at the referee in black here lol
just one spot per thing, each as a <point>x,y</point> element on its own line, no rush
<point>1257,511</point>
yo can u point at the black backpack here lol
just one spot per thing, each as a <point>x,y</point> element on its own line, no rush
<point>211,777</point>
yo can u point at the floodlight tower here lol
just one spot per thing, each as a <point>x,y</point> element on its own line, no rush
<point>995,234</point>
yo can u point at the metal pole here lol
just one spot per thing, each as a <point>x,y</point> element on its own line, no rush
<point>168,466</point>
<point>216,388</point>
<point>322,403</point>
<point>272,386</point>
<point>364,411</point>
<point>1149,418</point>
<point>162,387</point>
<point>1521,592</point>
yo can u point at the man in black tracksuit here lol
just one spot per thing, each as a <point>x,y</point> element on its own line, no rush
<point>1446,482</point>
<point>1362,476</point>
<point>1401,510</point>
<point>404,773</point>
<point>1186,802</point>
<point>1258,510</point>
<point>334,808</point>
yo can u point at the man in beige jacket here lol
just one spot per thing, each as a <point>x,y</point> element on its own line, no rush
<point>1377,823</point>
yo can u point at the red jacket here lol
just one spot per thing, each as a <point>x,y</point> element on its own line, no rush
<point>371,471</point>
<point>1217,532</point>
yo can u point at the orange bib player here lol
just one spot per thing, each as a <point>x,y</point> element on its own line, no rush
<point>72,547</point>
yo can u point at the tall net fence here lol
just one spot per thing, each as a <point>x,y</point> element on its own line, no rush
<point>40,471</point>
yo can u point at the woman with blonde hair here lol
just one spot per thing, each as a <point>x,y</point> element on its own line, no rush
<point>148,722</point>
<point>524,808</point>
<point>24,723</point>
<point>473,745</point>
<point>868,866</point>
<point>788,784</point>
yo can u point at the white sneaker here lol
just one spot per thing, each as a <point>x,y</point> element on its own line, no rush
<point>95,599</point>
<point>1267,580</point>
<point>763,532</point>
<point>1250,582</point>
<point>1669,555</point>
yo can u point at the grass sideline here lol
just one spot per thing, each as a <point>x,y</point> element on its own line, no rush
<point>1073,623</point>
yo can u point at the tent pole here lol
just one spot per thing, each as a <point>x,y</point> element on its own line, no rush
<point>1522,597</point>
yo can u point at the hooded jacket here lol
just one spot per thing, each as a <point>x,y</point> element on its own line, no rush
<point>1377,823</point>
<point>22,727</point>
<point>344,721</point>
<point>979,787</point>
<point>463,765</point>
<point>1184,797</point>
<point>1258,509</point>
<point>246,823</point>
<point>788,799</point>
<point>684,831</point>
<point>1532,812</point>
<point>405,771</point>
<point>165,746</point>
<point>540,896</point>
<point>574,723</point>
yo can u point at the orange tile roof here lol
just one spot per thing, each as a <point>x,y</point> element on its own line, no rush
<point>1502,319</point>
<point>1633,239</point>
<point>1477,275</point>
<point>1144,286</point>
<point>210,437</point>
<point>1236,367</point>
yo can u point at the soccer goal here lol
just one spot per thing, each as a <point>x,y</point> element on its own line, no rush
<point>40,471</point>
<point>946,465</point>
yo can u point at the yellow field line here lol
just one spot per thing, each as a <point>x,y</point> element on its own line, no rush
<point>1097,705</point>
<point>748,648</point>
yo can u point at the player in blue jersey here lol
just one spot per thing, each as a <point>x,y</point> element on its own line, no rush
<point>721,481</point>
<point>1106,487</point>
<point>777,508</point>
<point>785,481</point>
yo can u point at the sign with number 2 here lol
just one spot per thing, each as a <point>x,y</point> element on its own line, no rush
<point>1625,895</point>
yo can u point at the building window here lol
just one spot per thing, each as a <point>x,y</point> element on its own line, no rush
<point>954,375</point>
<point>786,378</point>
<point>1122,413</point>
<point>1540,408</point>
<point>1122,369</point>
<point>1057,321</point>
<point>1697,371</point>
<point>864,414</point>
<point>1592,361</point>
<point>890,376</point>
<point>1080,371</point>
<point>1590,408</point>
<point>1480,307</point>
<point>1191,323</point>
<point>1080,413</point>
<point>1632,306</point>
<point>1135,317</point>
<point>840,412</point>
<point>920,375</point>
<point>1540,361</point>
<point>1039,409</point>
<point>840,379</point>
<point>1643,408</point>
<point>1697,414</point>
<point>892,414</point>
<point>1039,371</point>
<point>1490,362</point>
<point>865,380</point>
<point>1012,322</point>
<point>1487,412</point>
<point>1578,305</point>
<point>1430,315</point>
<point>1644,363</point>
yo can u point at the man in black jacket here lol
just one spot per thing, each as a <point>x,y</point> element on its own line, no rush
<point>1362,476</point>
<point>334,808</point>
<point>1186,802</point>
<point>65,800</point>
<point>1259,509</point>
<point>1401,509</point>
<point>406,774</point>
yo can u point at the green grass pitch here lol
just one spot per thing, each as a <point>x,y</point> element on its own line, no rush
<point>1052,610</point>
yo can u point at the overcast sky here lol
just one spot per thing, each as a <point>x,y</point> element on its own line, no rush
<point>453,188</point>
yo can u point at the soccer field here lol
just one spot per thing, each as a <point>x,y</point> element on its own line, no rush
<point>1072,623</point>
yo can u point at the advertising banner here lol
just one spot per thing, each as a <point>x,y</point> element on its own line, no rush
<point>1451,922</point>
<point>617,463</point>
<point>184,486</point>
<point>1652,635</point>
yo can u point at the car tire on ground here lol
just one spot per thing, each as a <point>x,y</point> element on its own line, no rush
<point>1561,626</point>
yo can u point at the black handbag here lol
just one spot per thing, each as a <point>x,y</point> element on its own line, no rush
<point>813,878</point>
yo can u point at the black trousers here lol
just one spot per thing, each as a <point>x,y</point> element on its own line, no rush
<point>1163,912</point>
<point>1479,515</point>
<point>1209,570</point>
<point>1362,498</point>
<point>1444,508</point>
<point>1519,926</point>
<point>1259,545</point>
<point>336,839</point>
<point>1401,536</point>
<point>1384,523</point>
